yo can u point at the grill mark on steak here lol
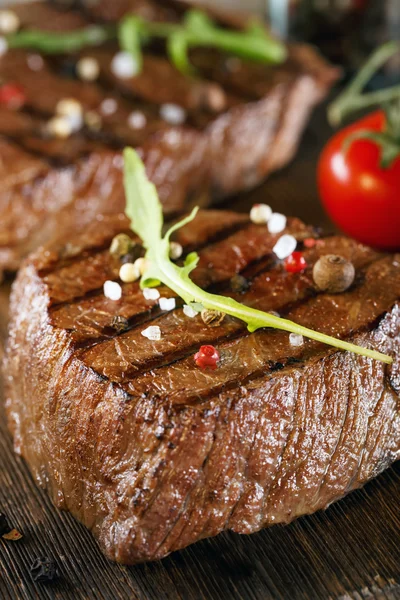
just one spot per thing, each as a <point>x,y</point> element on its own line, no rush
<point>347,249</point>
<point>213,270</point>
<point>211,227</point>
<point>95,270</point>
<point>249,356</point>
<point>271,289</point>
<point>152,470</point>
<point>213,267</point>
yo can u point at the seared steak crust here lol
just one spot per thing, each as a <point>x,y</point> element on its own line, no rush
<point>242,122</point>
<point>152,453</point>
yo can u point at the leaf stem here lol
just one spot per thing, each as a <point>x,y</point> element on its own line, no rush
<point>255,318</point>
<point>352,98</point>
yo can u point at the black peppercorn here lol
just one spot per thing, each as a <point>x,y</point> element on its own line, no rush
<point>239,284</point>
<point>132,255</point>
<point>44,570</point>
<point>120,323</point>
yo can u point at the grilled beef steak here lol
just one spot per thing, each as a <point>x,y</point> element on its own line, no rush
<point>241,121</point>
<point>152,452</point>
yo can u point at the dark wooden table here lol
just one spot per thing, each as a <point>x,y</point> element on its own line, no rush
<point>349,552</point>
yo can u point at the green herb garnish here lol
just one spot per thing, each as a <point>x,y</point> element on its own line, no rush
<point>144,210</point>
<point>196,30</point>
<point>58,42</point>
<point>133,32</point>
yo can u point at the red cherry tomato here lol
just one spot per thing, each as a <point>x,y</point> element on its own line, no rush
<point>207,356</point>
<point>295,263</point>
<point>360,196</point>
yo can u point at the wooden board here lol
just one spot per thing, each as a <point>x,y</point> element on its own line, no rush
<point>349,552</point>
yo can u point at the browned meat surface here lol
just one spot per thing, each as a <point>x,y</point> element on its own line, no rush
<point>152,453</point>
<point>242,122</point>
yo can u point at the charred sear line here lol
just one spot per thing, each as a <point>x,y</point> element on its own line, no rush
<point>67,261</point>
<point>216,336</point>
<point>314,354</point>
<point>271,367</point>
<point>257,268</point>
<point>219,236</point>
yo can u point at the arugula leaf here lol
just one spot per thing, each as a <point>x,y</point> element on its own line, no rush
<point>145,212</point>
<point>142,204</point>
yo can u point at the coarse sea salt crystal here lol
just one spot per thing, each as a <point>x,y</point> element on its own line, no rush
<point>124,66</point>
<point>296,339</point>
<point>260,214</point>
<point>152,333</point>
<point>167,303</point>
<point>108,107</point>
<point>276,223</point>
<point>35,62</point>
<point>173,114</point>
<point>112,290</point>
<point>189,311</point>
<point>75,120</point>
<point>151,294</point>
<point>285,246</point>
<point>137,120</point>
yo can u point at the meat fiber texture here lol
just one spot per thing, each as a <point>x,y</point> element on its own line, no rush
<point>242,121</point>
<point>151,452</point>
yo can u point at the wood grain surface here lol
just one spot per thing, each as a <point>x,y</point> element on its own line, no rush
<point>349,552</point>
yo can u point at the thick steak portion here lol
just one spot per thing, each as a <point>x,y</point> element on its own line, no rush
<point>152,453</point>
<point>241,122</point>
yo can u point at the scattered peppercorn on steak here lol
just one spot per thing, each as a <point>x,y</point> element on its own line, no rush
<point>141,439</point>
<point>65,117</point>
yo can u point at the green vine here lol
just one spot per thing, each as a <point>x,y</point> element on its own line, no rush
<point>353,98</point>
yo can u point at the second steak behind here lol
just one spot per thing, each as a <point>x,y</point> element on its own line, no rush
<point>49,184</point>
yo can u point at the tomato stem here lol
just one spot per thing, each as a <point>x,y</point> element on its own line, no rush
<point>353,99</point>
